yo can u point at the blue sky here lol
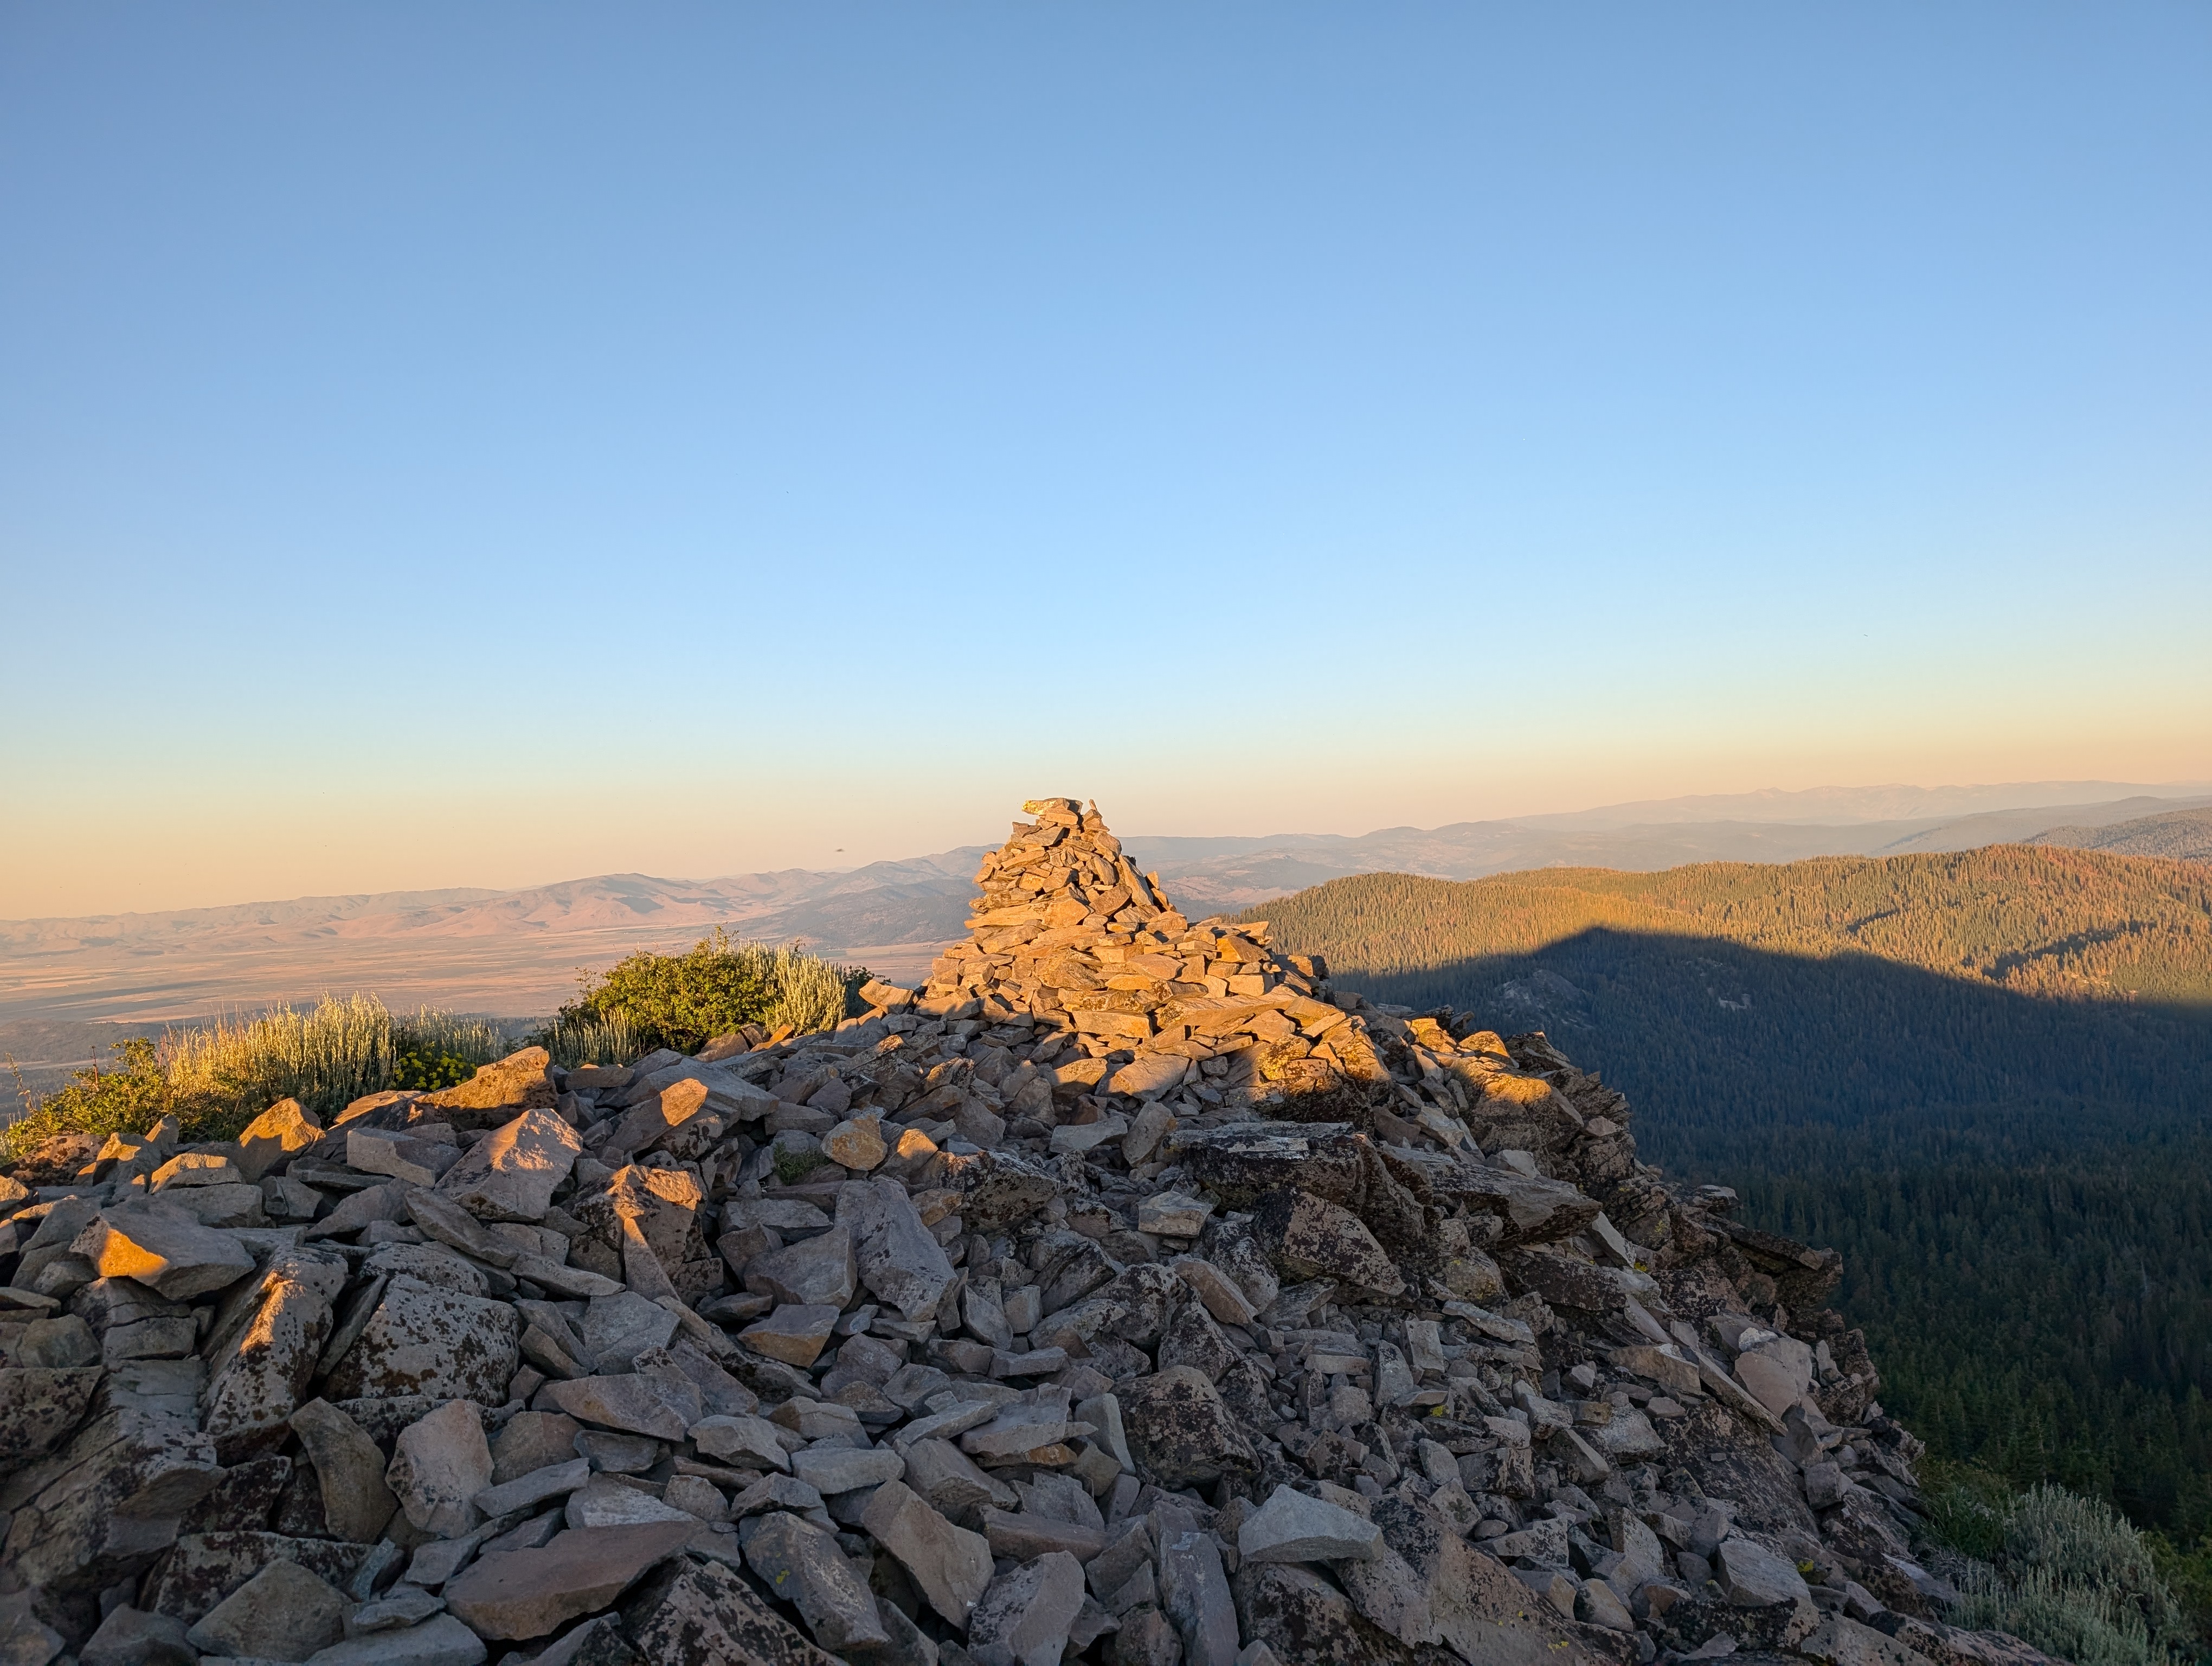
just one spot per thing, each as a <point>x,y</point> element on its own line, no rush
<point>487,445</point>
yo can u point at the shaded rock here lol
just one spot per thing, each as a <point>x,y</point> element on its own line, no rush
<point>438,1466</point>
<point>817,1271</point>
<point>1306,1621</point>
<point>620,1327</point>
<point>832,1470</point>
<point>1024,1616</point>
<point>1179,1432</point>
<point>899,1259</point>
<point>133,1637</point>
<point>603,1501</point>
<point>793,1334</point>
<point>282,1613</point>
<point>39,1407</point>
<point>265,1346</point>
<point>1756,1578</point>
<point>1309,1238</point>
<point>698,1610</point>
<point>1194,1594</point>
<point>802,1565</point>
<point>949,1566</point>
<point>531,1440</point>
<point>1292,1527</point>
<point>357,1501</point>
<point>513,1594</point>
<point>205,1568</point>
<point>441,1641</point>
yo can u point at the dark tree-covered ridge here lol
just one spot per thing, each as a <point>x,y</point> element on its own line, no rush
<point>1985,1077</point>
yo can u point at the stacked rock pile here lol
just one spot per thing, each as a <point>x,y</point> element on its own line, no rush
<point>1126,1294</point>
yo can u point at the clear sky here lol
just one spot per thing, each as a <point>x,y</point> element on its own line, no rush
<point>491,444</point>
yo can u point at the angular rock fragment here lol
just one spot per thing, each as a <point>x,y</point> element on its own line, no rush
<point>1024,1617</point>
<point>438,1466</point>
<point>516,1595</point>
<point>512,1173</point>
<point>162,1247</point>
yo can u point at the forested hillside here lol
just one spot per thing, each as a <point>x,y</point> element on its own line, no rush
<point>1985,1076</point>
<point>2183,835</point>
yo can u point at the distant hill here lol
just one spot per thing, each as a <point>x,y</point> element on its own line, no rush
<point>2183,835</point>
<point>1985,1076</point>
<point>2031,919</point>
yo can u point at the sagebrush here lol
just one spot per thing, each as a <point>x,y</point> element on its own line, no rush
<point>2061,1571</point>
<point>216,1080</point>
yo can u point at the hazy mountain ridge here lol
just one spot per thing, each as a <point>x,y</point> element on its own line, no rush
<point>524,948</point>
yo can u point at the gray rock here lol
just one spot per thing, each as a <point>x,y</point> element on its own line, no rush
<point>435,1343</point>
<point>832,1470</point>
<point>1194,1594</point>
<point>802,1565</point>
<point>818,1271</point>
<point>1223,1297</point>
<point>443,1641</point>
<point>795,1335</point>
<point>403,1157</point>
<point>528,1593</point>
<point>1024,1616</point>
<point>634,1403</point>
<point>1309,1238</point>
<point>949,1566</point>
<point>554,1481</point>
<point>694,1609</point>
<point>620,1327</point>
<point>950,1481</point>
<point>439,1465</point>
<point>1292,1527</point>
<point>357,1501</point>
<point>899,1259</point>
<point>282,1613</point>
<point>1756,1578</point>
<point>1179,1432</point>
<point>132,1636</point>
<point>531,1440</point>
<point>603,1501</point>
<point>263,1347</point>
<point>403,1606</point>
<point>751,1440</point>
<point>40,1407</point>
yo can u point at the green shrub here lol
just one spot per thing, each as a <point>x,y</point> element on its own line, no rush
<point>2068,1575</point>
<point>685,1000</point>
<point>128,1096</point>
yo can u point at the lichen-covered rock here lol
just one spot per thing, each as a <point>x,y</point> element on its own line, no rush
<point>437,1343</point>
<point>1179,1431</point>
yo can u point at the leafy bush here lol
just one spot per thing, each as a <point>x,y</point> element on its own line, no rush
<point>685,1000</point>
<point>2065,1573</point>
<point>218,1079</point>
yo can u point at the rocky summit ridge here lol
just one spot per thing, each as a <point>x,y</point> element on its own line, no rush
<point>1124,1294</point>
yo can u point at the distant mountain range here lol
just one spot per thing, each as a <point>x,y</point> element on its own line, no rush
<point>519,952</point>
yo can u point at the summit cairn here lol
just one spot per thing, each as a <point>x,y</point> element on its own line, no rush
<point>1126,1294</point>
